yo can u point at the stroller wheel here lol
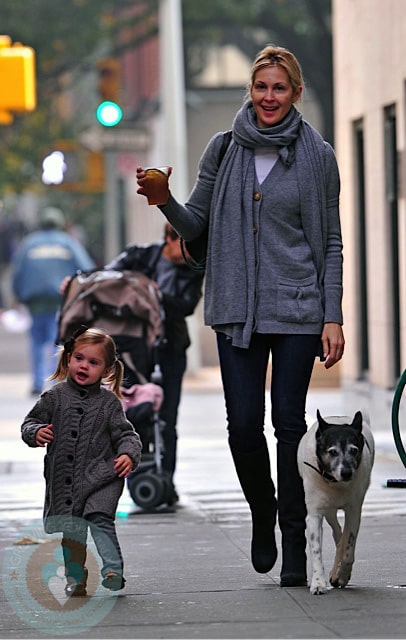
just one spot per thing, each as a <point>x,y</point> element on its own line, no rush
<point>147,490</point>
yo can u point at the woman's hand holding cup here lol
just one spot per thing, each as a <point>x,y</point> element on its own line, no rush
<point>153,183</point>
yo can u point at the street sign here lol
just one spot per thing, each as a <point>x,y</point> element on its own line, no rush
<point>114,139</point>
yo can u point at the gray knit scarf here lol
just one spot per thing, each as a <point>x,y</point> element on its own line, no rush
<point>231,241</point>
<point>282,135</point>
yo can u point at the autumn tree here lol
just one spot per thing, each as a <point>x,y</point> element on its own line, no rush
<point>70,36</point>
<point>303,26</point>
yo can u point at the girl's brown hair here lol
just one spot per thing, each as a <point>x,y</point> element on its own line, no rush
<point>271,55</point>
<point>85,336</point>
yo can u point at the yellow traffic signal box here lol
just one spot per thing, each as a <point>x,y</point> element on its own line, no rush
<point>17,79</point>
<point>109,79</point>
<point>108,112</point>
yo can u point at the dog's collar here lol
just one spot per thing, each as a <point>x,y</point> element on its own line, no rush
<point>322,473</point>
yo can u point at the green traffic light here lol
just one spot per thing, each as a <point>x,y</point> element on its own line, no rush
<point>109,113</point>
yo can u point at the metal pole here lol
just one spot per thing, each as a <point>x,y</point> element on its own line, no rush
<point>173,94</point>
<point>111,217</point>
<point>173,102</point>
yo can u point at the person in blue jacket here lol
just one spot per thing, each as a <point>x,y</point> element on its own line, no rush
<point>43,259</point>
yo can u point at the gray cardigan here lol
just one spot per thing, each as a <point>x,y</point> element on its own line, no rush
<point>285,275</point>
<point>90,430</point>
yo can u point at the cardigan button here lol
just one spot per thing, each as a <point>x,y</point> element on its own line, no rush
<point>257,195</point>
<point>74,433</point>
<point>255,229</point>
<point>80,410</point>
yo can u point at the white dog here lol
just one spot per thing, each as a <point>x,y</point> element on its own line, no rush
<point>335,459</point>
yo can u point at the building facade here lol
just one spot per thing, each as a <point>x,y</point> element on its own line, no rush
<point>370,114</point>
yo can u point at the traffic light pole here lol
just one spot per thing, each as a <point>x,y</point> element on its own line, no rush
<point>173,94</point>
<point>174,115</point>
<point>111,217</point>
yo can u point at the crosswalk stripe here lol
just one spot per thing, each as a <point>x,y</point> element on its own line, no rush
<point>225,506</point>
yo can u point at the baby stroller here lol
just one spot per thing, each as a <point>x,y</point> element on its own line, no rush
<point>149,486</point>
<point>126,305</point>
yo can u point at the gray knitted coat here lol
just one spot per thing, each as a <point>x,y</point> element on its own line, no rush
<point>90,430</point>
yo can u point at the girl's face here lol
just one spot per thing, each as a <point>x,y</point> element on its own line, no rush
<point>87,364</point>
<point>272,95</point>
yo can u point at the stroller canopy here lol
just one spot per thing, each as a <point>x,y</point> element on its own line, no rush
<point>123,303</point>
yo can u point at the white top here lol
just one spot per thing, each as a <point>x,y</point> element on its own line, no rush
<point>265,159</point>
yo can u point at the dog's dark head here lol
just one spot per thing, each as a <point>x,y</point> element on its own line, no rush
<point>339,447</point>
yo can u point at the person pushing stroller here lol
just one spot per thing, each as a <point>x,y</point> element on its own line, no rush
<point>179,289</point>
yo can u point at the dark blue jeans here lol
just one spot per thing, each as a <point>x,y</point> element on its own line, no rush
<point>173,366</point>
<point>243,374</point>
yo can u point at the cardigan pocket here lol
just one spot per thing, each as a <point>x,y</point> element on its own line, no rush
<point>299,301</point>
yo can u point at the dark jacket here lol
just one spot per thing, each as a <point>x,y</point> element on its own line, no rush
<point>180,287</point>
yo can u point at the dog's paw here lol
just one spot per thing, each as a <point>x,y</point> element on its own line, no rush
<point>341,577</point>
<point>318,585</point>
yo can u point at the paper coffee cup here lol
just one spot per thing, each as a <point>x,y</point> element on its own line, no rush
<point>156,184</point>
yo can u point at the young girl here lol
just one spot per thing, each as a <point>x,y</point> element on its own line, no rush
<point>91,449</point>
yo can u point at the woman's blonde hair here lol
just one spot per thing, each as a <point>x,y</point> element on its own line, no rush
<point>271,56</point>
<point>85,336</point>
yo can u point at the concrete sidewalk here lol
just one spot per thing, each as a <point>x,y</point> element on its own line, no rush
<point>189,576</point>
<point>188,573</point>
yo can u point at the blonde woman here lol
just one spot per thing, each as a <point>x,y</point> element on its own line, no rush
<point>273,288</point>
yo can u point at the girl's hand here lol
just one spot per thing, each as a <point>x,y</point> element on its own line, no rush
<point>123,465</point>
<point>44,435</point>
<point>333,341</point>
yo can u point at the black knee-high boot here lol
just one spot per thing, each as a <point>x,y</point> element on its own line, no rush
<point>254,473</point>
<point>291,517</point>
